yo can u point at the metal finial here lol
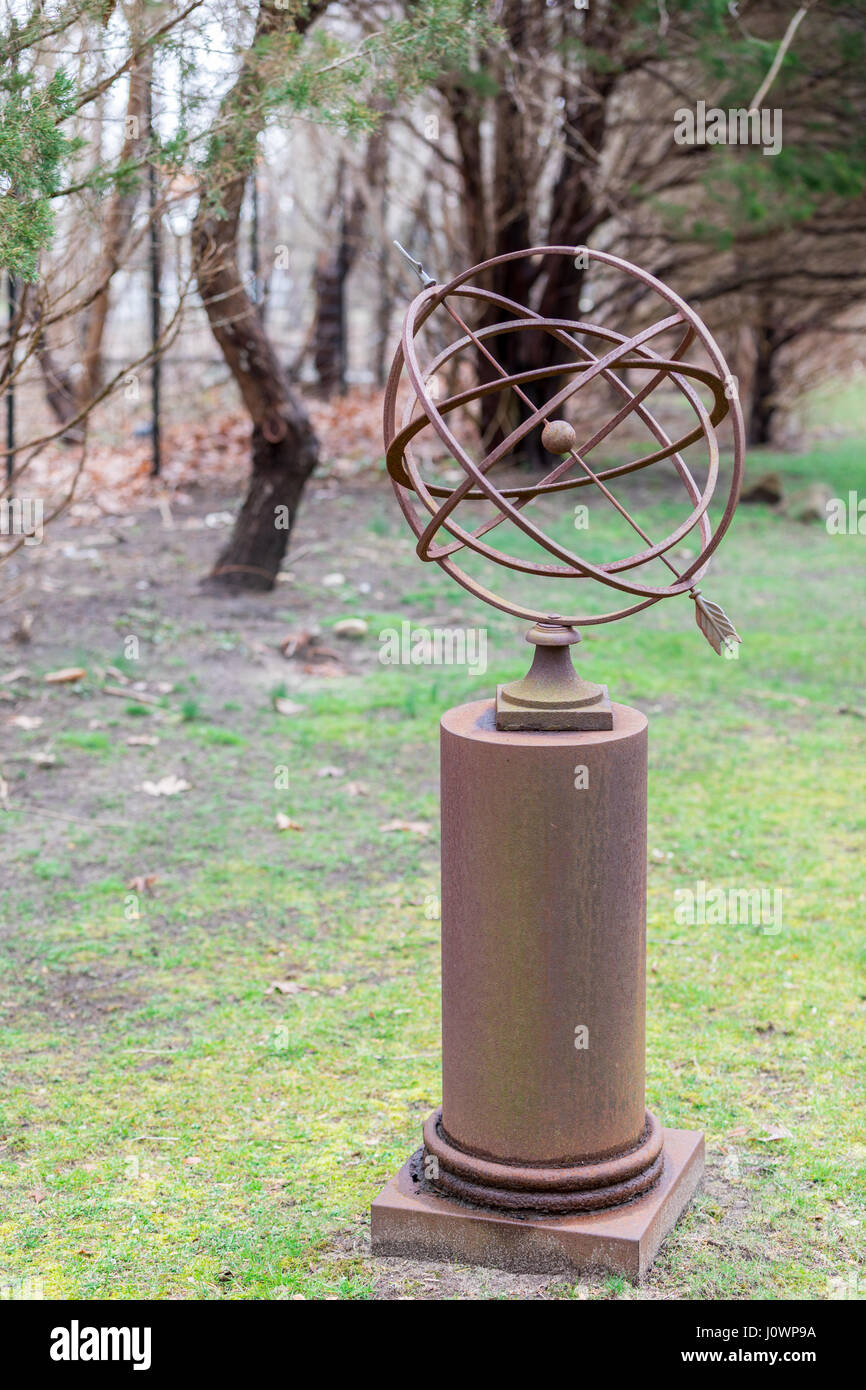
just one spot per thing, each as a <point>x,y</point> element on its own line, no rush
<point>426,280</point>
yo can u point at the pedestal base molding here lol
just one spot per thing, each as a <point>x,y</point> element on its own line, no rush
<point>535,1187</point>
<point>412,1220</point>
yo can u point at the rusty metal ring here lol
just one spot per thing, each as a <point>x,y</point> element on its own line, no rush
<point>549,1203</point>
<point>405,473</point>
<point>477,473</point>
<point>408,483</point>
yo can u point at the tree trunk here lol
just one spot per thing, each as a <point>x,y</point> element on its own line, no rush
<point>763,405</point>
<point>118,220</point>
<point>284,447</point>
<point>333,266</point>
<point>385,295</point>
<point>504,216</point>
<point>329,291</point>
<point>66,396</point>
<point>254,553</point>
<point>60,390</point>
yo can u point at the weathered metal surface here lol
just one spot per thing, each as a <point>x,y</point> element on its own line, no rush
<point>552,695</point>
<point>438,504</point>
<point>543,927</point>
<point>411,1220</point>
<point>568,1187</point>
<point>543,1154</point>
<point>559,437</point>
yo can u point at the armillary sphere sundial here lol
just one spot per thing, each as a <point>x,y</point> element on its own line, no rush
<point>543,1154</point>
<point>589,352</point>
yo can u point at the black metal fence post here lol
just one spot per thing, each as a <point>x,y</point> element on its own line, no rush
<point>155,306</point>
<point>12,308</point>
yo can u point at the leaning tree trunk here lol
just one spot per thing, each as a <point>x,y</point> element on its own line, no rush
<point>280,469</point>
<point>60,391</point>
<point>284,446</point>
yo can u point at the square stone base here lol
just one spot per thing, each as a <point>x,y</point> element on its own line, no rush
<point>419,1225</point>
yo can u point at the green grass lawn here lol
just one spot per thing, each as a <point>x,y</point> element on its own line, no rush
<point>172,1126</point>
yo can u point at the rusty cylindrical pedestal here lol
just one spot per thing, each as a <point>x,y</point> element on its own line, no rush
<point>543,1156</point>
<point>543,967</point>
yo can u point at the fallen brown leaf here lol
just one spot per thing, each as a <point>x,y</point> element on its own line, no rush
<point>283,706</point>
<point>774,1132</point>
<point>297,643</point>
<point>143,883</point>
<point>43,757</point>
<point>307,646</point>
<point>166,786</point>
<point>65,676</point>
<point>411,827</point>
<point>140,697</point>
<point>327,668</point>
<point>350,629</point>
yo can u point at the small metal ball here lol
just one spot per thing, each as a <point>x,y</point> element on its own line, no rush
<point>558,437</point>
